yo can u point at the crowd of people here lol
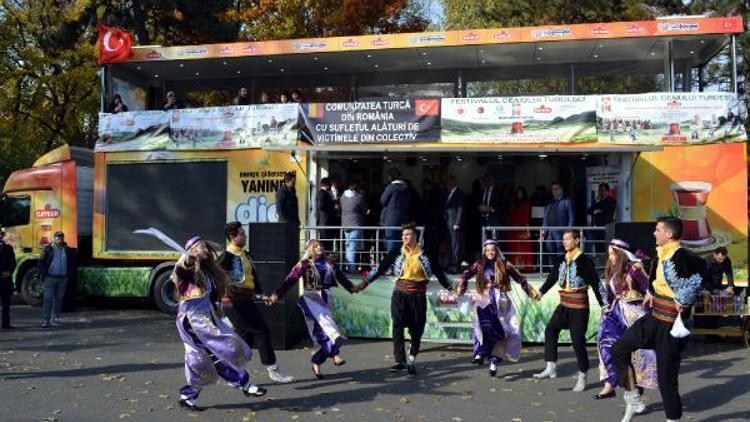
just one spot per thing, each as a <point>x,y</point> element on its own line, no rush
<point>637,344</point>
<point>452,219</point>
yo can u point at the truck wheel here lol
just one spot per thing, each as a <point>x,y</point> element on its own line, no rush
<point>32,287</point>
<point>164,294</point>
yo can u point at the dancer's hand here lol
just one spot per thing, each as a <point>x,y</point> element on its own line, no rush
<point>536,295</point>
<point>678,306</point>
<point>648,300</point>
<point>270,300</point>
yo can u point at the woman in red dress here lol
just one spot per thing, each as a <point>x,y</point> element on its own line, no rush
<point>519,249</point>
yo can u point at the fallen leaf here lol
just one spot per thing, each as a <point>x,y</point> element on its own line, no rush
<point>124,415</point>
<point>57,412</point>
<point>403,400</point>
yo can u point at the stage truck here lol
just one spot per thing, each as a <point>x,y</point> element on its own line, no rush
<point>99,200</point>
<point>622,103</point>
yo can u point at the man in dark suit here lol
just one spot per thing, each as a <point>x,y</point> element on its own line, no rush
<point>602,212</point>
<point>287,208</point>
<point>325,213</point>
<point>396,202</point>
<point>491,206</point>
<point>454,214</point>
<point>7,265</point>
<point>558,213</point>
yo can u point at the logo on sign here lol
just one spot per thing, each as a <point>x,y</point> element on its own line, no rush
<point>193,51</point>
<point>542,109</point>
<point>312,45</point>
<point>228,115</point>
<point>470,37</point>
<point>249,48</point>
<point>153,54</point>
<point>47,212</point>
<point>379,42</point>
<point>427,107</point>
<point>674,104</point>
<point>128,122</point>
<point>350,43</point>
<point>600,30</point>
<point>634,28</point>
<point>679,27</point>
<point>551,32</point>
<point>226,51</point>
<point>427,39</point>
<point>256,210</point>
<point>503,35</point>
<point>480,110</point>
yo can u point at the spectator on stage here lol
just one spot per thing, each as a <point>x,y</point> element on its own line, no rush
<point>117,106</point>
<point>718,266</point>
<point>395,201</point>
<point>558,213</point>
<point>284,98</point>
<point>491,206</point>
<point>325,214</point>
<point>243,97</point>
<point>519,249</point>
<point>265,98</point>
<point>173,103</point>
<point>297,97</point>
<point>454,207</point>
<point>287,208</point>
<point>602,212</point>
<point>353,213</point>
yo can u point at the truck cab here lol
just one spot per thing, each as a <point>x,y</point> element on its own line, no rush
<point>56,193</point>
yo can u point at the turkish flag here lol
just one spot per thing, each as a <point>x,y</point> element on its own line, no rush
<point>114,45</point>
<point>427,107</point>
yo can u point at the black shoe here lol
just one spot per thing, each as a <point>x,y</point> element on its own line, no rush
<point>317,373</point>
<point>411,369</point>
<point>640,391</point>
<point>609,395</point>
<point>251,390</point>
<point>477,361</point>
<point>190,406</point>
<point>399,367</point>
<point>342,363</point>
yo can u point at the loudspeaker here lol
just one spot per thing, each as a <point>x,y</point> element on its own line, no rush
<point>275,250</point>
<point>274,242</point>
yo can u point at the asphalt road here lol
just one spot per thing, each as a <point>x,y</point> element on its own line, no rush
<point>126,364</point>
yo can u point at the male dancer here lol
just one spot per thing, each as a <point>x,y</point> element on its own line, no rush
<point>413,270</point>
<point>676,283</point>
<point>242,291</point>
<point>573,273</point>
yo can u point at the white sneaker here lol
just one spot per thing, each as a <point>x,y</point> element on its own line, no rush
<point>633,405</point>
<point>276,376</point>
<point>56,322</point>
<point>581,382</point>
<point>549,372</point>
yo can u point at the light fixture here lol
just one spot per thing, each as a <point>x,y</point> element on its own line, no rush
<point>429,63</point>
<point>385,158</point>
<point>542,156</point>
<point>459,159</point>
<point>692,52</point>
<point>225,63</point>
<point>270,60</point>
<point>539,58</point>
<point>596,56</point>
<point>377,66</point>
<point>423,159</point>
<point>282,69</point>
<point>325,67</point>
<point>197,73</point>
<point>499,157</point>
<point>424,53</point>
<point>703,41</point>
<point>137,68</point>
<point>481,51</point>
<point>653,53</point>
<point>601,46</point>
<point>182,65</point>
<point>541,48</point>
<point>156,76</point>
<point>315,58</point>
<point>484,61</point>
<point>239,71</point>
<point>389,161</point>
<point>584,156</point>
<point>369,56</point>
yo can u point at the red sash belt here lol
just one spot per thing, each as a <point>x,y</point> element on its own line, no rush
<point>663,309</point>
<point>575,299</point>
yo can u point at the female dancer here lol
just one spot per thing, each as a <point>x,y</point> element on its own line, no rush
<point>626,284</point>
<point>497,332</point>
<point>212,349</point>
<point>319,274</point>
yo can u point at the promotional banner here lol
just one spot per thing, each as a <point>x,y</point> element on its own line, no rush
<point>213,128</point>
<point>671,118</point>
<point>373,122</point>
<point>234,127</point>
<point>133,131</point>
<point>543,119</point>
<point>706,187</point>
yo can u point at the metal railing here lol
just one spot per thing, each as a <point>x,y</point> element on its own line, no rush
<point>533,250</point>
<point>357,247</point>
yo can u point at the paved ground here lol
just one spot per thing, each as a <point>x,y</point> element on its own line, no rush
<point>127,365</point>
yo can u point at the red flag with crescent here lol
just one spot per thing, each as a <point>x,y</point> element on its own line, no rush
<point>114,45</point>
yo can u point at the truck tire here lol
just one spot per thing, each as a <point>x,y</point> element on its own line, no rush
<point>163,293</point>
<point>32,287</point>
